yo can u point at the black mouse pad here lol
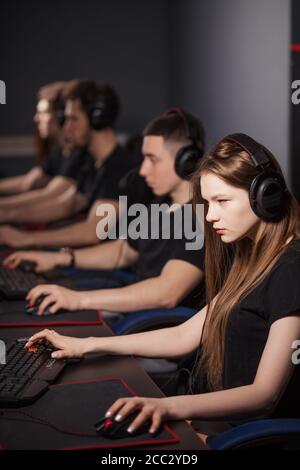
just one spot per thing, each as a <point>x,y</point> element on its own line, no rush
<point>12,314</point>
<point>74,408</point>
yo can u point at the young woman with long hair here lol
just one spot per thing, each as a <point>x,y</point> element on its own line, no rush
<point>246,333</point>
<point>48,137</point>
<point>48,119</point>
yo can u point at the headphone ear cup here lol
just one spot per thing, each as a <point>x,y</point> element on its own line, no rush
<point>186,161</point>
<point>60,117</point>
<point>267,194</point>
<point>96,116</point>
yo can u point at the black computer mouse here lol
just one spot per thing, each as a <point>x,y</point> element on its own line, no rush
<point>27,266</point>
<point>109,428</point>
<point>32,309</point>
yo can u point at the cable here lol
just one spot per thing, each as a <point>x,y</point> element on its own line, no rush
<point>192,374</point>
<point>120,252</point>
<point>175,377</point>
<point>42,421</point>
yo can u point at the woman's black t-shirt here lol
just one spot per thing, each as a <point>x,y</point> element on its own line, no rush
<point>277,296</point>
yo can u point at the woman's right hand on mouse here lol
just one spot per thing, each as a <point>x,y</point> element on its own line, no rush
<point>65,346</point>
<point>44,260</point>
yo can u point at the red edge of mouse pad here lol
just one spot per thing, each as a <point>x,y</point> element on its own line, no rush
<point>175,436</point>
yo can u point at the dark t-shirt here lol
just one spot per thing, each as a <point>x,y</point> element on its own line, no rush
<point>70,167</point>
<point>277,296</point>
<point>103,182</point>
<point>154,253</point>
<point>73,166</point>
<point>52,163</point>
<point>136,188</point>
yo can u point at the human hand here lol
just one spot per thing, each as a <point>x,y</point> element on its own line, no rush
<point>59,297</point>
<point>66,346</point>
<point>44,261</point>
<point>13,237</point>
<point>153,409</point>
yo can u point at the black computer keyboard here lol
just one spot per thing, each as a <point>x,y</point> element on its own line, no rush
<point>15,283</point>
<point>27,375</point>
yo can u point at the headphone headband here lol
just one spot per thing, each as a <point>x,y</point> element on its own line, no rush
<point>190,130</point>
<point>253,148</point>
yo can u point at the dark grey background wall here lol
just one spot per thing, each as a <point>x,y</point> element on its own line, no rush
<point>295,109</point>
<point>232,68</point>
<point>123,41</point>
<point>226,61</point>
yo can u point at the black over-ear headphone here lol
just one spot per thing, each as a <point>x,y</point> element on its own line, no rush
<point>188,156</point>
<point>60,116</point>
<point>101,114</point>
<point>58,109</point>
<point>268,189</point>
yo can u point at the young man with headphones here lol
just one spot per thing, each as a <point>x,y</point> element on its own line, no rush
<point>167,274</point>
<point>90,116</point>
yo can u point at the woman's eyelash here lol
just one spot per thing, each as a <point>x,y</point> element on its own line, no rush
<point>218,200</point>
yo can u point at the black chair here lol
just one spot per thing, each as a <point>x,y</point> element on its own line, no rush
<point>267,434</point>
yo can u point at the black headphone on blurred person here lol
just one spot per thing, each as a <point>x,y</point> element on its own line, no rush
<point>268,188</point>
<point>187,157</point>
<point>58,108</point>
<point>60,117</point>
<point>101,114</point>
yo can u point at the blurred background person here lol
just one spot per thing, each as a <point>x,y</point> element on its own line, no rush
<point>91,113</point>
<point>49,136</point>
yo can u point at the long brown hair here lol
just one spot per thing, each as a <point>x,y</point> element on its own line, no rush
<point>229,281</point>
<point>53,93</point>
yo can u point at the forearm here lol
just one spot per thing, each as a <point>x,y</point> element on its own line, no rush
<point>20,200</point>
<point>54,237</point>
<point>78,234</point>
<point>104,256</point>
<point>52,190</point>
<point>139,296</point>
<point>235,403</point>
<point>12,185</point>
<point>72,236</point>
<point>41,212</point>
<point>21,183</point>
<point>164,343</point>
